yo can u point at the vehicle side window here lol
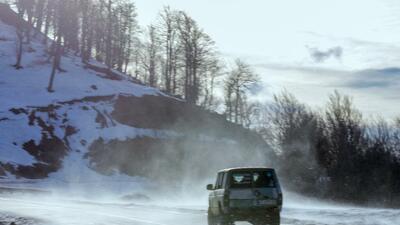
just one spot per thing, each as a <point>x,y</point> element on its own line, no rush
<point>220,180</point>
<point>217,182</point>
<point>224,178</point>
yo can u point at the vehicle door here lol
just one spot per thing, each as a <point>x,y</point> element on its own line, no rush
<point>257,188</point>
<point>218,193</point>
<point>266,188</point>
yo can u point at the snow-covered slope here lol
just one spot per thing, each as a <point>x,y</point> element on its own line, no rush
<point>23,92</point>
<point>24,87</point>
<point>96,129</point>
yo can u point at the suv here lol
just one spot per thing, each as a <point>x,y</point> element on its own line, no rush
<point>245,194</point>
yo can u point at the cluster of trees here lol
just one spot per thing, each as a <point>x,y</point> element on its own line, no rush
<point>178,56</point>
<point>334,153</point>
<point>174,54</point>
<point>88,28</point>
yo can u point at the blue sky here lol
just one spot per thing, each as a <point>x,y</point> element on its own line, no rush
<point>309,47</point>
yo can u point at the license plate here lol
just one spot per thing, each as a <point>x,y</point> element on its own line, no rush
<point>266,202</point>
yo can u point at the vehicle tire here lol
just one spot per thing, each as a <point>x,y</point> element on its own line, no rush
<point>275,218</point>
<point>260,221</point>
<point>223,218</point>
<point>212,219</point>
<point>218,220</point>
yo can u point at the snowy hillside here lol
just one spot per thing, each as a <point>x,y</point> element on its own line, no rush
<point>28,86</point>
<point>95,128</point>
<point>23,123</point>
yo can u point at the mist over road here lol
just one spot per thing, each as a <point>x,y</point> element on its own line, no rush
<point>50,211</point>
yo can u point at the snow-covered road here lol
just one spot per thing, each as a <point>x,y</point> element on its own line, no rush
<point>46,211</point>
<point>64,212</point>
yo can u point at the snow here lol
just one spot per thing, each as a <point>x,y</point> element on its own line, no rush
<point>27,87</point>
<point>14,132</point>
<point>76,176</point>
<point>10,218</point>
<point>59,210</point>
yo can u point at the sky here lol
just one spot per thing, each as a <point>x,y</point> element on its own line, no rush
<point>309,47</point>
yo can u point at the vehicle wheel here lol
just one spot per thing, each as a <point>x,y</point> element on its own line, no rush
<point>224,219</point>
<point>260,221</point>
<point>275,218</point>
<point>219,219</point>
<point>212,220</point>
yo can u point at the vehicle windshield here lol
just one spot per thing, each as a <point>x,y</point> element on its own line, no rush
<point>259,179</point>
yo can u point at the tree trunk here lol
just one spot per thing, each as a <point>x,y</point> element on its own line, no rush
<point>39,14</point>
<point>84,29</point>
<point>237,105</point>
<point>19,49</point>
<point>56,64</point>
<point>20,37</point>
<point>109,36</point>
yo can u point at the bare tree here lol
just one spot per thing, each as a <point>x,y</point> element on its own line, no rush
<point>61,26</point>
<point>28,7</point>
<point>196,51</point>
<point>49,17</point>
<point>396,136</point>
<point>237,85</point>
<point>85,29</point>
<point>127,27</point>
<point>137,54</point>
<point>346,135</point>
<point>39,14</point>
<point>100,25</point>
<point>109,32</point>
<point>20,33</point>
<point>150,57</point>
<point>213,73</point>
<point>295,131</point>
<point>168,34</point>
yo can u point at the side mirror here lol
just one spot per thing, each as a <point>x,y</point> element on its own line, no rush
<point>210,187</point>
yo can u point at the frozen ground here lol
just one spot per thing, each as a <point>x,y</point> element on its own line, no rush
<point>59,211</point>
